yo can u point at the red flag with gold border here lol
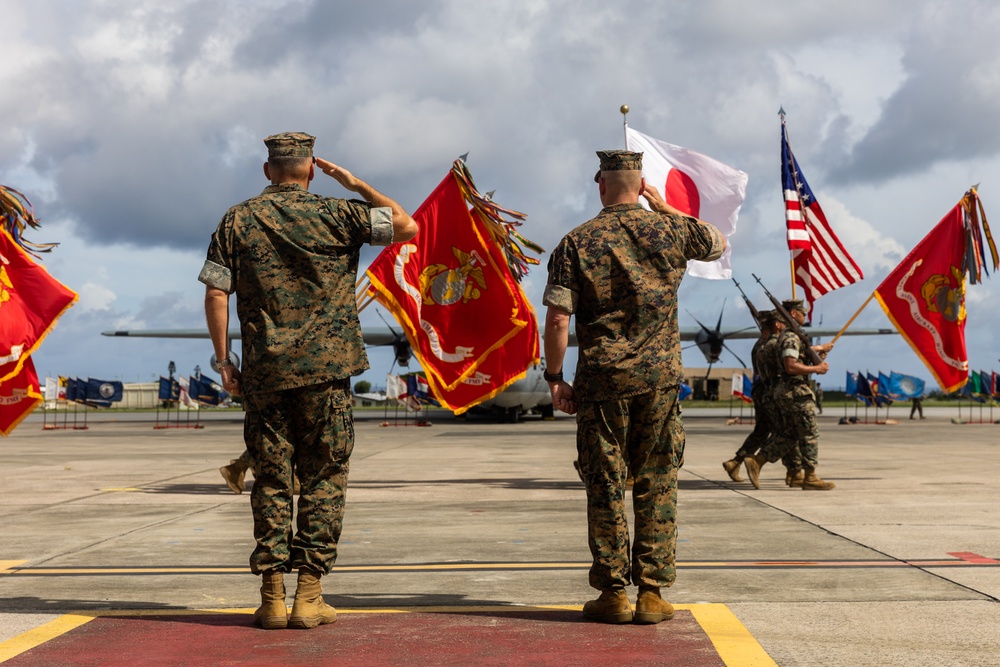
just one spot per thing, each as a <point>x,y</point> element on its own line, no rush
<point>925,295</point>
<point>452,291</point>
<point>19,395</point>
<point>31,301</point>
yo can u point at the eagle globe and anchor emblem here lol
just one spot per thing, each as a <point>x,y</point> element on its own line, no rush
<point>446,286</point>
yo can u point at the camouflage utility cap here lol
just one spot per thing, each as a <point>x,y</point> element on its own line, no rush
<point>618,161</point>
<point>290,144</point>
<point>794,304</point>
<point>766,316</point>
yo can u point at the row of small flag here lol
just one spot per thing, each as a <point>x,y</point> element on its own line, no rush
<point>412,390</point>
<point>981,386</point>
<point>92,392</point>
<point>883,389</point>
<point>192,391</point>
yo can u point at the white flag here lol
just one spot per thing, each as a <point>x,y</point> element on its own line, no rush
<point>394,387</point>
<point>184,397</point>
<point>736,388</point>
<point>697,185</point>
<point>51,389</point>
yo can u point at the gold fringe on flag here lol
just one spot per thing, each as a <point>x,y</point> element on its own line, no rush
<point>16,215</point>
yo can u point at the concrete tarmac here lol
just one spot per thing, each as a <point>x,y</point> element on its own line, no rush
<point>899,565</point>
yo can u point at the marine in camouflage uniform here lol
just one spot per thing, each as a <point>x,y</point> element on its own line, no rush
<point>762,418</point>
<point>291,259</point>
<point>795,402</point>
<point>619,274</point>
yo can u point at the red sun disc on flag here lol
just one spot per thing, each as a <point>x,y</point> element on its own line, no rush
<point>681,193</point>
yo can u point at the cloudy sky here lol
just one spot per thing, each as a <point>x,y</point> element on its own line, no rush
<point>133,125</point>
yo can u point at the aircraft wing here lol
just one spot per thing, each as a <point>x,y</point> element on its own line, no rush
<point>691,333</point>
<point>168,333</point>
<point>376,338</point>
<point>388,337</point>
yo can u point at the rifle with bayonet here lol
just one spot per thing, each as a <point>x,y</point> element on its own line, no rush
<point>753,311</point>
<point>796,328</point>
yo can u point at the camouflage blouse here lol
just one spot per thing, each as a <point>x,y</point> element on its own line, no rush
<point>291,258</point>
<point>619,274</point>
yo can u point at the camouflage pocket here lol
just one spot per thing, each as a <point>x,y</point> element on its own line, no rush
<point>342,425</point>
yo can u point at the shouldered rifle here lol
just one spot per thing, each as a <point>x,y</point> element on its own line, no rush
<point>753,311</point>
<point>796,328</point>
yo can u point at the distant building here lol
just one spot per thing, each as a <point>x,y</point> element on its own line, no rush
<point>715,384</point>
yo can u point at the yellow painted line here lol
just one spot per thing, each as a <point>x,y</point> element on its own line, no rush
<point>9,565</point>
<point>733,642</point>
<point>43,633</point>
<point>122,488</point>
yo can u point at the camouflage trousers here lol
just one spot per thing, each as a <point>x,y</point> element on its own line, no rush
<point>762,427</point>
<point>796,441</point>
<point>308,430</point>
<point>645,435</point>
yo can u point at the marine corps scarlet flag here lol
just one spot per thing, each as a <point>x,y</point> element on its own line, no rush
<point>452,290</point>
<point>30,303</point>
<point>18,397</point>
<point>925,295</point>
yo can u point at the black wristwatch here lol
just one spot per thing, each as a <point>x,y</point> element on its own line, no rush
<point>552,377</point>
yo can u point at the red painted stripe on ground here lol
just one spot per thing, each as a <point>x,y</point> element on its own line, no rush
<point>459,638</point>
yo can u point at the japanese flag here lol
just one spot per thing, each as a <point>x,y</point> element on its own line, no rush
<point>697,185</point>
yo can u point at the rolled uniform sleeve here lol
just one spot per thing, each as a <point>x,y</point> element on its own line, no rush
<point>705,242</point>
<point>791,346</point>
<point>218,270</point>
<point>381,221</point>
<point>562,290</point>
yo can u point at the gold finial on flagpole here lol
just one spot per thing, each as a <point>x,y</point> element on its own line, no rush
<point>624,109</point>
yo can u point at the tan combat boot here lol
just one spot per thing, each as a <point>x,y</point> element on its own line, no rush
<point>309,608</point>
<point>812,482</point>
<point>234,474</point>
<point>612,607</point>
<point>794,478</point>
<point>650,608</point>
<point>272,613</point>
<point>753,465</point>
<point>732,468</point>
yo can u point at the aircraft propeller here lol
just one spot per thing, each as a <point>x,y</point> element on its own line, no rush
<point>400,346</point>
<point>712,342</point>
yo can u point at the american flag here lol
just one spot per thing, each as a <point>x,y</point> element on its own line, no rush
<point>820,261</point>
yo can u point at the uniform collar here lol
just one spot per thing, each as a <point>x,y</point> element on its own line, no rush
<point>621,207</point>
<point>282,187</point>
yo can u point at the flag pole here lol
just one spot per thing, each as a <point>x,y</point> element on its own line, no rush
<point>624,109</point>
<point>853,317</point>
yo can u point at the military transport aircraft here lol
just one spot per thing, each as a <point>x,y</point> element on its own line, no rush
<point>530,392</point>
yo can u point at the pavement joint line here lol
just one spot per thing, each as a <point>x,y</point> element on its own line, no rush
<point>734,644</point>
<point>138,529</point>
<point>11,568</point>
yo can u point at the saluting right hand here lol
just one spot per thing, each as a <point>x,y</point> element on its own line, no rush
<point>657,202</point>
<point>338,173</point>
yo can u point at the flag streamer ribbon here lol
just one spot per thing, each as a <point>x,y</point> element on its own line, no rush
<point>976,228</point>
<point>500,222</point>
<point>16,215</point>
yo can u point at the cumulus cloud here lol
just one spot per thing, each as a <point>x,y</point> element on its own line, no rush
<point>134,124</point>
<point>950,97</point>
